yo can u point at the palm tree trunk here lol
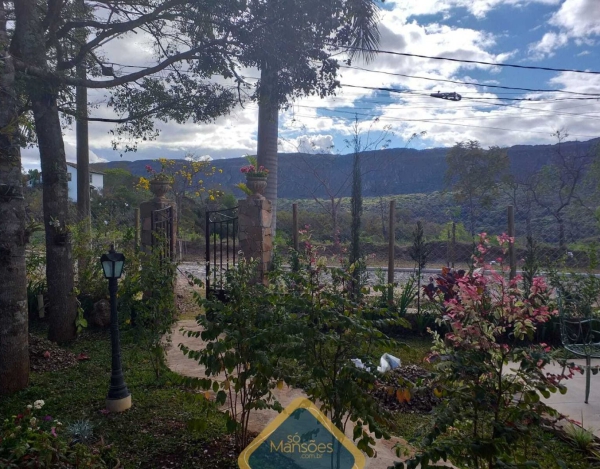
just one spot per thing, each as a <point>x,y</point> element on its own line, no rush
<point>59,256</point>
<point>268,126</point>
<point>14,334</point>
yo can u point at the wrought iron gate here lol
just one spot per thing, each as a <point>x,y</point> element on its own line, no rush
<point>163,235</point>
<point>221,237</point>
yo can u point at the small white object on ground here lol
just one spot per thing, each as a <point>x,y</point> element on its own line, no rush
<point>387,362</point>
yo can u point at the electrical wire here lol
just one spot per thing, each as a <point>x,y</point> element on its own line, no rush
<point>477,62</point>
<point>532,90</point>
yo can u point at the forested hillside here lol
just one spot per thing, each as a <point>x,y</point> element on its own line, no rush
<point>386,172</point>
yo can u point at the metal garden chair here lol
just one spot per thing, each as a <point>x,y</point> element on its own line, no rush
<point>580,331</point>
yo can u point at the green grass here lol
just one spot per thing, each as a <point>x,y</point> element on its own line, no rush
<point>156,425</point>
<point>411,350</point>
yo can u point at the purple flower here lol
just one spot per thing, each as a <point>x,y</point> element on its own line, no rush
<point>47,418</point>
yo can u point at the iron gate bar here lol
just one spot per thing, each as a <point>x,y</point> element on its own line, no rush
<point>162,225</point>
<point>215,219</point>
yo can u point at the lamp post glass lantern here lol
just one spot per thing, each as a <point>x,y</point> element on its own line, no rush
<point>119,397</point>
<point>112,263</point>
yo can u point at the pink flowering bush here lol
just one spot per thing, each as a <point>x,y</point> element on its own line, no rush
<point>490,376</point>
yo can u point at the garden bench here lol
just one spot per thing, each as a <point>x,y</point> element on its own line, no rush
<point>580,332</point>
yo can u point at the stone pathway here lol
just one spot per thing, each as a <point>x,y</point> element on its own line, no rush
<point>572,403</point>
<point>179,363</point>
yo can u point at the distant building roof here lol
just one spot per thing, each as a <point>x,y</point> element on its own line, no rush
<point>73,165</point>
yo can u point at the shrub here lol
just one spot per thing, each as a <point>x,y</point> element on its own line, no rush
<point>327,326</point>
<point>242,352</point>
<point>488,415</point>
<point>146,294</point>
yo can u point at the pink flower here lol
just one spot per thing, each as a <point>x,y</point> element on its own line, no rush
<point>53,431</point>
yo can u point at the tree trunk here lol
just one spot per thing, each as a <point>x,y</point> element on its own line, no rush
<point>356,209</point>
<point>14,334</point>
<point>357,203</point>
<point>335,227</point>
<point>562,243</point>
<point>83,166</point>
<point>30,43</point>
<point>268,123</point>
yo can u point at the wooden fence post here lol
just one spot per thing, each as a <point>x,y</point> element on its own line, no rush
<point>453,243</point>
<point>512,255</point>
<point>295,226</point>
<point>136,217</point>
<point>391,251</point>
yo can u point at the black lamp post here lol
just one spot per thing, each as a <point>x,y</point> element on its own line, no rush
<point>119,398</point>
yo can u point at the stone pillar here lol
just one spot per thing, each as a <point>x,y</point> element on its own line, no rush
<point>256,242</point>
<point>146,208</point>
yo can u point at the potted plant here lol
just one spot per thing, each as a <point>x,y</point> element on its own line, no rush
<point>62,232</point>
<point>256,176</point>
<point>161,182</point>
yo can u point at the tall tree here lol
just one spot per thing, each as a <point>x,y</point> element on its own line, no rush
<point>359,144</point>
<point>47,48</point>
<point>559,184</point>
<point>474,175</point>
<point>294,55</point>
<point>14,349</point>
<point>29,46</point>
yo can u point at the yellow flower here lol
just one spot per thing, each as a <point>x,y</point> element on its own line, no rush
<point>212,197</point>
<point>143,183</point>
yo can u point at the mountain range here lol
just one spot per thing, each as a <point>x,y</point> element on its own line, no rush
<point>385,172</point>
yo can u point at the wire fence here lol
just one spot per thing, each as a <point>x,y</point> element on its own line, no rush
<point>568,240</point>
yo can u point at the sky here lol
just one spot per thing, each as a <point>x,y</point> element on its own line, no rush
<point>559,34</point>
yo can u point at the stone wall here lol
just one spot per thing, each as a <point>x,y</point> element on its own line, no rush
<point>256,240</point>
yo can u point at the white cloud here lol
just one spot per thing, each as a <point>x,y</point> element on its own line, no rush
<point>314,144</point>
<point>548,45</point>
<point>578,18</point>
<point>30,157</point>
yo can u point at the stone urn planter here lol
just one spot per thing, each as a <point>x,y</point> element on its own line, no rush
<point>257,184</point>
<point>160,187</point>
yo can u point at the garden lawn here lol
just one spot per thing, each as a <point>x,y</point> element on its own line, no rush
<point>155,432</point>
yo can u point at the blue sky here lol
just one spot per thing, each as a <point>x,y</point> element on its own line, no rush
<point>548,33</point>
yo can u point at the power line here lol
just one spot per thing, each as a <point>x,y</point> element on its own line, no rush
<point>469,83</point>
<point>397,90</point>
<point>478,62</point>
<point>530,112</point>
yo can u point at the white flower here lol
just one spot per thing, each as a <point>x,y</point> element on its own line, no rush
<point>32,421</point>
<point>29,406</point>
<point>58,424</point>
<point>38,404</point>
<point>106,222</point>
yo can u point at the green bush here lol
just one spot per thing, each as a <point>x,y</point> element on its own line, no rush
<point>243,347</point>
<point>326,327</point>
<point>147,301</point>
